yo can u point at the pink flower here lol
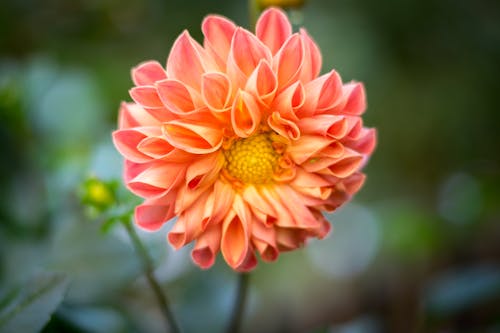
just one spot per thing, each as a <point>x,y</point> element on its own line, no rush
<point>242,141</point>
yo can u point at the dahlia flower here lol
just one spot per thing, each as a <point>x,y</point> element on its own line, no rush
<point>243,141</point>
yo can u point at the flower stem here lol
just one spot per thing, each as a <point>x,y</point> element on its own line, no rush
<point>147,263</point>
<point>239,304</point>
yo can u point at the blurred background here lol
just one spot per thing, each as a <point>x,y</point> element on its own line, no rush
<point>418,249</point>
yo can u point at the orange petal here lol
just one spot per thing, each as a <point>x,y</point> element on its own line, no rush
<point>159,148</point>
<point>245,114</point>
<point>152,215</point>
<point>312,58</point>
<point>133,115</point>
<point>147,73</point>
<point>188,61</point>
<point>264,240</point>
<point>195,137</point>
<point>235,237</point>
<point>288,61</point>
<point>301,214</point>
<point>355,96</point>
<point>177,97</point>
<point>323,94</point>
<point>289,101</point>
<point>207,246</point>
<point>366,142</point>
<point>216,91</point>
<point>146,96</point>
<point>248,263</point>
<point>218,33</point>
<point>262,83</point>
<point>307,146</point>
<point>126,142</point>
<point>273,28</point>
<point>156,180</point>
<point>332,126</point>
<point>203,171</point>
<point>283,127</point>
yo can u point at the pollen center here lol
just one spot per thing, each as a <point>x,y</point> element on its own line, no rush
<point>252,160</point>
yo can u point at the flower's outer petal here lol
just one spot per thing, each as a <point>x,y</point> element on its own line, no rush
<point>193,136</point>
<point>353,183</point>
<point>147,73</point>
<point>218,33</point>
<point>312,58</point>
<point>147,96</point>
<point>216,91</point>
<point>188,61</point>
<point>301,214</point>
<point>126,142</point>
<point>157,179</point>
<point>289,101</point>
<point>223,197</point>
<point>306,146</point>
<point>289,239</point>
<point>283,127</point>
<point>207,246</point>
<point>333,126</point>
<point>366,142</point>
<point>245,54</point>
<point>203,171</point>
<point>245,114</point>
<point>133,115</point>
<point>264,240</point>
<point>249,262</point>
<point>177,97</point>
<point>262,83</point>
<point>354,94</point>
<point>157,147</point>
<point>340,167</point>
<point>153,214</point>
<point>287,63</point>
<point>273,28</point>
<point>235,234</point>
<point>323,94</point>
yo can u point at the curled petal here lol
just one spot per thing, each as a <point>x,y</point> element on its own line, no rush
<point>354,94</point>
<point>218,33</point>
<point>188,61</point>
<point>263,83</point>
<point>264,240</point>
<point>159,148</point>
<point>147,73</point>
<point>340,167</point>
<point>273,28</point>
<point>307,146</point>
<point>146,96</point>
<point>156,180</point>
<point>249,262</point>
<point>203,171</point>
<point>366,142</point>
<point>133,115</point>
<point>177,97</point>
<point>312,58</point>
<point>193,136</point>
<point>216,91</point>
<point>289,101</point>
<point>245,115</point>
<point>235,234</point>
<point>256,201</point>
<point>288,61</point>
<point>206,247</point>
<point>153,214</point>
<point>332,126</point>
<point>127,141</point>
<point>301,214</point>
<point>282,126</point>
<point>323,94</point>
<point>289,239</point>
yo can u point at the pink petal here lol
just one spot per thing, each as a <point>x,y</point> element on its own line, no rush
<point>366,142</point>
<point>288,61</point>
<point>188,225</point>
<point>355,96</point>
<point>283,127</point>
<point>289,101</point>
<point>312,58</point>
<point>187,61</point>
<point>248,263</point>
<point>353,183</point>
<point>146,96</point>
<point>157,179</point>
<point>177,97</point>
<point>126,142</point>
<point>257,202</point>
<point>262,83</point>
<point>218,33</point>
<point>159,148</point>
<point>273,28</point>
<point>152,216</point>
<point>346,165</point>
<point>302,216</point>
<point>193,136</point>
<point>235,237</point>
<point>289,239</point>
<point>322,94</point>
<point>245,114</point>
<point>216,91</point>
<point>207,246</point>
<point>203,171</point>
<point>335,127</point>
<point>307,146</point>
<point>133,115</point>
<point>147,73</point>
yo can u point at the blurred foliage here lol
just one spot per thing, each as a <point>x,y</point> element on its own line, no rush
<point>417,251</point>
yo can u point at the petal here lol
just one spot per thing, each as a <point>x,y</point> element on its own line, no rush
<point>289,101</point>
<point>335,127</point>
<point>366,142</point>
<point>248,263</point>
<point>216,91</point>
<point>157,179</point>
<point>133,115</point>
<point>312,58</point>
<point>146,96</point>
<point>218,33</point>
<point>323,94</point>
<point>283,127</point>
<point>264,240</point>
<point>152,215</point>
<point>303,218</point>
<point>203,171</point>
<point>177,97</point>
<point>288,61</point>
<point>193,136</point>
<point>262,83</point>
<point>207,246</point>
<point>245,114</point>
<point>289,239</point>
<point>235,237</point>
<point>355,96</point>
<point>187,61</point>
<point>159,148</point>
<point>307,146</point>
<point>341,167</point>
<point>257,202</point>
<point>147,73</point>
<point>126,142</point>
<point>273,28</point>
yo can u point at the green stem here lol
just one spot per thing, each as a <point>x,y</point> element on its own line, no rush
<point>147,262</point>
<point>239,304</point>
<point>253,12</point>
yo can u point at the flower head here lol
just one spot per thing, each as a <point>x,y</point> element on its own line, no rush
<point>243,141</point>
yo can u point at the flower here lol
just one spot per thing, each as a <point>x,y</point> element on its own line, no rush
<point>242,141</point>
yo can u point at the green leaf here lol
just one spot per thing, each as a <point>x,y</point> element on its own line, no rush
<point>31,309</point>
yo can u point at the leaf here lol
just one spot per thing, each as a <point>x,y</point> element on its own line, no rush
<point>31,309</point>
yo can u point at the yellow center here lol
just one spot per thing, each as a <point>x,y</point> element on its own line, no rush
<point>252,160</point>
